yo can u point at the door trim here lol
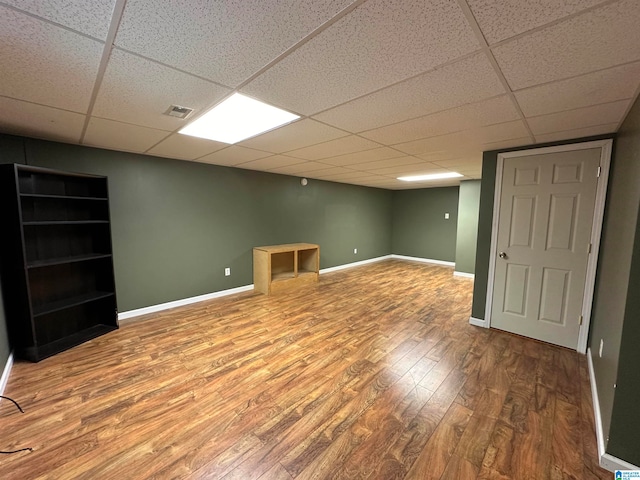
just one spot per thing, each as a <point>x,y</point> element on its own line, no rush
<point>596,226</point>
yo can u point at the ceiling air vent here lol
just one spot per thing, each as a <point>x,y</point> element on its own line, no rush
<point>177,111</point>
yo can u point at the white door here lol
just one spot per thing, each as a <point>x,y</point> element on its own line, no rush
<point>546,206</point>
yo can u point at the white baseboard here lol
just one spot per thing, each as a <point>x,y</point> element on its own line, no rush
<point>354,264</point>
<point>425,260</point>
<point>179,303</point>
<point>5,374</point>
<point>478,322</point>
<point>128,315</point>
<point>463,274</point>
<point>607,461</point>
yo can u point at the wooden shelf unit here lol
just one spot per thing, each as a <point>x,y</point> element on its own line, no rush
<point>281,267</point>
<point>57,264</point>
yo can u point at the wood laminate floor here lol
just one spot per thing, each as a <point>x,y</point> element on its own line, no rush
<point>373,373</point>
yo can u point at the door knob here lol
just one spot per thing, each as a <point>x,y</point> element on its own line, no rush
<point>502,255</point>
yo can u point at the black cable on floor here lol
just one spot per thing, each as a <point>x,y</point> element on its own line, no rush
<point>22,411</point>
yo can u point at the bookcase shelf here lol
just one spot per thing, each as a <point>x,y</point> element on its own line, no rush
<point>57,263</point>
<point>281,267</point>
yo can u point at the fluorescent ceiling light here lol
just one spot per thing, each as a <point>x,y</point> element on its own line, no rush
<point>433,176</point>
<point>237,118</point>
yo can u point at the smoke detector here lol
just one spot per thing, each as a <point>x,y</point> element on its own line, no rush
<point>178,111</point>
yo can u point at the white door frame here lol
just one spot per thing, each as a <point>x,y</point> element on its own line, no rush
<point>596,228</point>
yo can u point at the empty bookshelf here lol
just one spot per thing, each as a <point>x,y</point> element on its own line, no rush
<point>57,265</point>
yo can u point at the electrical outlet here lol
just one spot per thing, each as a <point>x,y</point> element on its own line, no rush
<point>446,216</point>
<point>227,272</point>
<point>601,347</point>
<point>355,251</point>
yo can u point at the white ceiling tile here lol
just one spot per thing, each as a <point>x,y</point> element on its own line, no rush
<point>501,19</point>
<point>379,43</point>
<point>186,147</point>
<point>579,133</point>
<point>269,163</point>
<point>579,118</point>
<point>419,168</point>
<point>227,40</point>
<point>336,172</point>
<point>233,155</point>
<point>461,162</point>
<point>330,172</point>
<point>510,143</point>
<point>23,118</point>
<point>598,39</point>
<point>91,18</point>
<point>466,81</point>
<point>381,153</point>
<point>301,169</point>
<point>333,148</point>
<point>138,91</point>
<point>45,64</point>
<point>121,136</point>
<point>466,139</point>
<point>487,112</point>
<point>391,162</point>
<point>591,89</point>
<point>294,136</point>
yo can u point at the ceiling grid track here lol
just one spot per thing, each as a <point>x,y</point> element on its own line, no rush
<point>118,10</point>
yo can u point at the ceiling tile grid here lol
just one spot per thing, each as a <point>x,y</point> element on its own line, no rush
<point>496,110</point>
<point>384,87</point>
<point>24,118</point>
<point>379,43</point>
<point>139,91</point>
<point>502,19</point>
<point>91,18</point>
<point>109,134</point>
<point>46,64</point>
<point>226,41</point>
<point>597,39</point>
<point>469,80</point>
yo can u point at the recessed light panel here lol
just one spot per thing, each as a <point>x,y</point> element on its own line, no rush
<point>434,176</point>
<point>238,118</point>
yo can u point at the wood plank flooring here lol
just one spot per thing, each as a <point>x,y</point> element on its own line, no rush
<point>373,373</point>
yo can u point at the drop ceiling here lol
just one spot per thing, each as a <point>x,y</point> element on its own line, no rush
<point>384,88</point>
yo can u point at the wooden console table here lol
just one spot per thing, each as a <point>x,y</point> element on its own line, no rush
<point>281,267</point>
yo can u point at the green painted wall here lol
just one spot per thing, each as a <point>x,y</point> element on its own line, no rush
<point>467,230</point>
<point>624,433</point>
<point>419,227</point>
<point>176,225</point>
<point>616,290</point>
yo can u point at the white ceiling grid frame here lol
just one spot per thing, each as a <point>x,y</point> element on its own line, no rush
<point>233,155</point>
<point>598,87</point>
<point>35,75</point>
<point>602,37</point>
<point>377,34</point>
<point>91,18</point>
<point>104,133</point>
<point>465,117</point>
<point>135,90</point>
<point>185,147</point>
<point>235,51</point>
<point>503,19</point>
<point>464,81</point>
<point>379,153</point>
<point>591,116</point>
<point>40,121</point>
<point>344,145</point>
<point>296,135</point>
<point>488,52</point>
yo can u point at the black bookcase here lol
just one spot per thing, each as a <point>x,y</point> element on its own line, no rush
<point>56,259</point>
